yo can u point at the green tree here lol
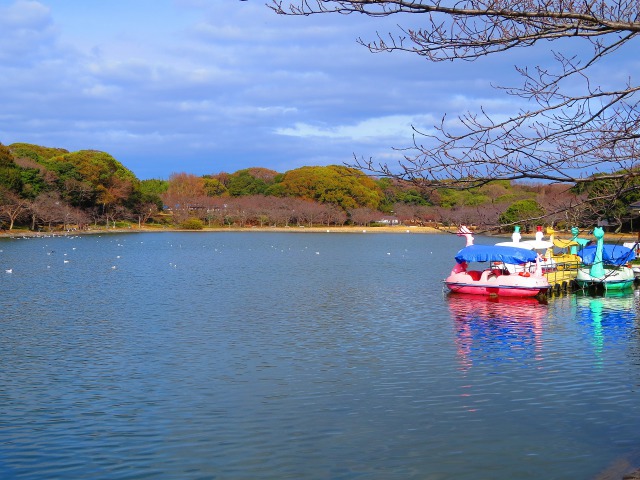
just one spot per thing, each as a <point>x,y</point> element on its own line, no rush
<point>523,212</point>
<point>213,187</point>
<point>10,177</point>
<point>243,183</point>
<point>154,186</point>
<point>33,182</point>
<point>35,152</point>
<point>346,187</point>
<point>615,210</point>
<point>95,167</point>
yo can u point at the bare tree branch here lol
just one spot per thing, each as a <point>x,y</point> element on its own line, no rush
<point>570,130</point>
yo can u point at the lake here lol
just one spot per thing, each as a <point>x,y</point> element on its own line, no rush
<point>289,355</point>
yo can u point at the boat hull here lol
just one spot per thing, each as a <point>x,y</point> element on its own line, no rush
<point>618,278</point>
<point>489,284</point>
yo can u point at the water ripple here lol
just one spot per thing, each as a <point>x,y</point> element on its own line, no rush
<point>250,356</point>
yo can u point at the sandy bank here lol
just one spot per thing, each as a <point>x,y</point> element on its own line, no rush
<point>100,231</point>
<point>610,237</point>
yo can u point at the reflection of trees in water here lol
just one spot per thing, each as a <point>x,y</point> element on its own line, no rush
<point>496,329</point>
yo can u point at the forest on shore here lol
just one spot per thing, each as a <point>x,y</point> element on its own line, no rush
<point>48,189</point>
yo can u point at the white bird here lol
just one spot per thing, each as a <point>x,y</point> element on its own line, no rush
<point>9,270</point>
<point>66,261</point>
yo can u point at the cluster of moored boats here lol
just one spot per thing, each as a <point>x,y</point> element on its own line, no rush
<point>532,267</point>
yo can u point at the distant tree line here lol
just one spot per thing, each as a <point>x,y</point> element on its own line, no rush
<point>45,188</point>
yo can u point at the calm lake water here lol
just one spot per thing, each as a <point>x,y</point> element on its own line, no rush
<point>300,356</point>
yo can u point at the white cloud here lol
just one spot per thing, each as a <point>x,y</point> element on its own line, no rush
<point>394,126</point>
<point>103,91</point>
<point>26,33</point>
<point>25,15</point>
<point>221,85</point>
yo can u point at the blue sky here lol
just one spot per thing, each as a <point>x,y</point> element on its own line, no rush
<point>205,86</point>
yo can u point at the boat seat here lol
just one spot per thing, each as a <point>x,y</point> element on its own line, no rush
<point>475,274</point>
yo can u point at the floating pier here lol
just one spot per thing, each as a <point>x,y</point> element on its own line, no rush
<point>562,279</point>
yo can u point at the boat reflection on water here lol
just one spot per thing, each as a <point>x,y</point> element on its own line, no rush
<point>611,317</point>
<point>499,329</point>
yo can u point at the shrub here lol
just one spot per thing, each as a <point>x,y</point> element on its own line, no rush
<point>192,224</point>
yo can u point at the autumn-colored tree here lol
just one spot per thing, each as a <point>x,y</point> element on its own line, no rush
<point>185,185</point>
<point>309,212</point>
<point>111,197</point>
<point>364,216</point>
<point>267,175</point>
<point>12,206</point>
<point>6,156</point>
<point>185,194</point>
<point>47,208</point>
<point>334,215</point>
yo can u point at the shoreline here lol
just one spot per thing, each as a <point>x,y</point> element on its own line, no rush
<point>296,229</point>
<point>19,233</point>
<point>399,229</point>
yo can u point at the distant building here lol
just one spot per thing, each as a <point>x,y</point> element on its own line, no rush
<point>389,220</point>
<point>634,208</point>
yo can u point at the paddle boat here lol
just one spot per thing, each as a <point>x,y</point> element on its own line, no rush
<point>515,239</point>
<point>538,243</point>
<point>605,265</point>
<point>495,281</point>
<point>566,250</point>
<point>515,243</point>
<point>635,246</point>
<point>543,247</point>
<point>564,256</point>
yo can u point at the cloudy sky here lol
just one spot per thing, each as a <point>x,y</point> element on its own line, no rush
<point>205,86</point>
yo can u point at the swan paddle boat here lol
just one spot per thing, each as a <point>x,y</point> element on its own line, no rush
<point>543,247</point>
<point>605,265</point>
<point>495,281</point>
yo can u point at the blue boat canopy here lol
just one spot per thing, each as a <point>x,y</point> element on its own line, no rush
<point>611,254</point>
<point>493,253</point>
